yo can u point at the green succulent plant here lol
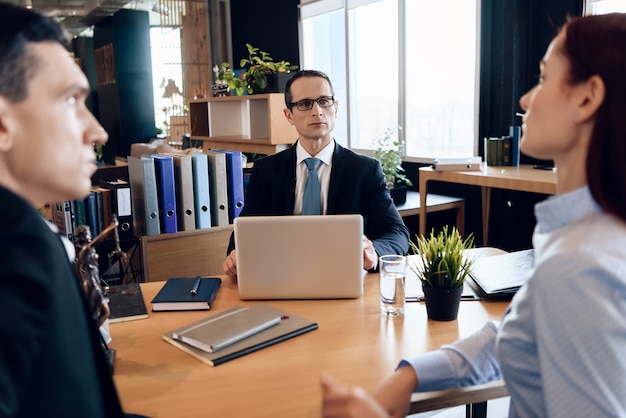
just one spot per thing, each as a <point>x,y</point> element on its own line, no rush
<point>443,264</point>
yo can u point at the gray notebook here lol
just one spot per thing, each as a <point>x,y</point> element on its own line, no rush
<point>290,326</point>
<point>221,330</point>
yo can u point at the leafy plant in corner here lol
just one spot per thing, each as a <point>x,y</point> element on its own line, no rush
<point>444,266</point>
<point>259,65</point>
<point>389,153</point>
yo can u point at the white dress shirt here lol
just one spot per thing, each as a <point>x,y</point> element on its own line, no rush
<point>323,172</point>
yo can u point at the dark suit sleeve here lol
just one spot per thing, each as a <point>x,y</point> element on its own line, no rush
<point>383,224</point>
<point>51,358</point>
<point>24,301</point>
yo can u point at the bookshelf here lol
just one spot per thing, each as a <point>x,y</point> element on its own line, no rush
<point>253,123</point>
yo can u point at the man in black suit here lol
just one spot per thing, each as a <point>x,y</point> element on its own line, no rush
<point>52,360</point>
<point>350,183</point>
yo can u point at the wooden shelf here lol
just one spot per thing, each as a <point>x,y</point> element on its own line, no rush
<point>253,123</point>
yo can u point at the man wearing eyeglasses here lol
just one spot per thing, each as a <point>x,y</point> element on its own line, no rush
<point>348,182</point>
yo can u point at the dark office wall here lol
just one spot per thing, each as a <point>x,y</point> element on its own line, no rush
<point>126,106</point>
<point>271,26</point>
<point>82,47</point>
<point>514,38</point>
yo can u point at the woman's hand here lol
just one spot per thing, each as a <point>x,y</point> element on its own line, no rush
<point>341,401</point>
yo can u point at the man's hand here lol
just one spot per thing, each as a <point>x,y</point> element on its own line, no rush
<point>370,258</point>
<point>230,265</point>
<point>340,401</point>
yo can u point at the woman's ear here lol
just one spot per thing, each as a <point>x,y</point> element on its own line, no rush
<point>590,96</point>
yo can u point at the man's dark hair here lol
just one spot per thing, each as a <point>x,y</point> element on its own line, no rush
<point>18,28</point>
<point>304,73</point>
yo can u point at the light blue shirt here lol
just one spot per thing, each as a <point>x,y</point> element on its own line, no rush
<point>561,346</point>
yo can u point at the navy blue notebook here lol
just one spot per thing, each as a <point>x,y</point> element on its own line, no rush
<point>177,294</point>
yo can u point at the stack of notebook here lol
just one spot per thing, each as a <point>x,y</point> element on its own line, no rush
<point>501,276</point>
<point>236,332</point>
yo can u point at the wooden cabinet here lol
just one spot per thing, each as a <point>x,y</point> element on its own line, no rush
<point>253,123</point>
<point>185,254</point>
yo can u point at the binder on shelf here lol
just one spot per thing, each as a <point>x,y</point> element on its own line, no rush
<point>166,192</point>
<point>218,185</point>
<point>62,218</point>
<point>99,210</point>
<point>234,177</point>
<point>184,185</point>
<point>79,207</point>
<point>91,212</point>
<point>143,189</point>
<point>105,207</point>
<point>201,190</point>
<point>121,206</point>
<point>72,218</point>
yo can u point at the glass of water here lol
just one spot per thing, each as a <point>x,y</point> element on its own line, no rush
<point>392,276</point>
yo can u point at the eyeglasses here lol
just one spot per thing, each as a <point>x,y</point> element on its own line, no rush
<point>307,104</point>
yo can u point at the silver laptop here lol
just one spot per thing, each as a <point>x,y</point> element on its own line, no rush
<point>299,257</point>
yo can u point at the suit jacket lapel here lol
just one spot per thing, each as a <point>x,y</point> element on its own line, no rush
<point>289,181</point>
<point>336,175</point>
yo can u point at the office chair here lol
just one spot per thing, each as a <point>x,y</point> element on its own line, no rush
<point>473,397</point>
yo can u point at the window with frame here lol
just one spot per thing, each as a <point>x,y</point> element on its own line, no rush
<point>397,63</point>
<point>167,76</point>
<point>600,7</point>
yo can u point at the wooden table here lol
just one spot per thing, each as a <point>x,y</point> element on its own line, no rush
<point>354,343</point>
<point>523,178</point>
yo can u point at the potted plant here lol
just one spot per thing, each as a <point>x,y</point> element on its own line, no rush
<point>262,74</point>
<point>389,152</point>
<point>442,270</point>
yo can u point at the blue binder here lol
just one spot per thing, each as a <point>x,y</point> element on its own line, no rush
<point>202,200</point>
<point>234,174</point>
<point>91,207</point>
<point>166,192</point>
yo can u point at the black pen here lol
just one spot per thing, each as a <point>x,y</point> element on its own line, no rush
<point>544,167</point>
<point>196,286</point>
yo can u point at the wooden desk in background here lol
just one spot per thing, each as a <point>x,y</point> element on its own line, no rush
<point>354,343</point>
<point>523,178</point>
